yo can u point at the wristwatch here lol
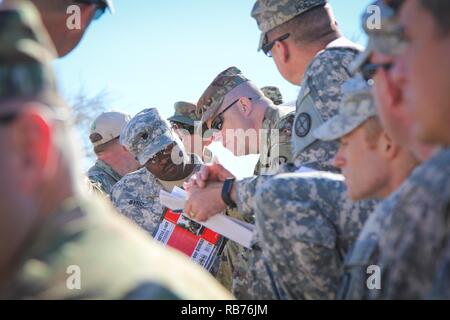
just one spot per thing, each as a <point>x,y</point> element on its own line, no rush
<point>226,193</point>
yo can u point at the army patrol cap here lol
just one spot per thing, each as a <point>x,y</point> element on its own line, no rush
<point>274,94</point>
<point>107,127</point>
<point>269,14</point>
<point>146,134</point>
<point>186,113</point>
<point>386,38</point>
<point>26,53</point>
<point>212,99</point>
<point>356,107</point>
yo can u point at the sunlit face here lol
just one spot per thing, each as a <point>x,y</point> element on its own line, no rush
<point>234,130</point>
<point>392,111</point>
<point>362,165</point>
<point>426,73</point>
<point>168,164</point>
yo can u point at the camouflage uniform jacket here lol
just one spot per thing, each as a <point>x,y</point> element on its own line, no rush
<point>276,132</point>
<point>306,225</point>
<point>113,258</point>
<point>414,246</point>
<point>103,175</point>
<point>136,196</point>
<point>320,99</point>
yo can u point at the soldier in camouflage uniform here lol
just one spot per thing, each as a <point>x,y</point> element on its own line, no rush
<point>148,137</point>
<point>113,160</point>
<point>414,247</point>
<point>225,91</point>
<point>304,220</point>
<point>274,94</point>
<point>183,122</point>
<point>389,168</point>
<point>318,100</point>
<point>59,243</point>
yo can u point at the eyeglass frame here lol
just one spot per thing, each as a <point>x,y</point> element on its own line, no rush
<point>267,47</point>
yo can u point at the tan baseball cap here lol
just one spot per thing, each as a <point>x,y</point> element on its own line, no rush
<point>107,127</point>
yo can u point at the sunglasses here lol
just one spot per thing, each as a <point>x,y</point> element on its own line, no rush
<point>370,69</point>
<point>267,48</point>
<point>217,123</point>
<point>101,6</point>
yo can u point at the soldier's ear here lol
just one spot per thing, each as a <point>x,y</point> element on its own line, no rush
<point>389,147</point>
<point>245,106</point>
<point>281,50</point>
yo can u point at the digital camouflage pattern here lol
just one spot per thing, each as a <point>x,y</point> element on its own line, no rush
<point>366,250</point>
<point>103,175</point>
<point>276,139</point>
<point>86,235</point>
<point>357,106</point>
<point>212,99</point>
<point>307,224</point>
<point>270,14</point>
<point>413,249</point>
<point>387,38</point>
<point>147,134</point>
<point>274,94</point>
<point>136,196</point>
<point>185,112</point>
<point>319,100</point>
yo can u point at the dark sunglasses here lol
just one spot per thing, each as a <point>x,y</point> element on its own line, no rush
<point>101,6</point>
<point>267,48</point>
<point>217,123</point>
<point>8,118</point>
<point>369,69</point>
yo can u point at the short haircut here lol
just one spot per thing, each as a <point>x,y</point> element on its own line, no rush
<point>313,26</point>
<point>373,130</point>
<point>440,10</point>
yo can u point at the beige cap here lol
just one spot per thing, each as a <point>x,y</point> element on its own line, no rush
<point>107,127</point>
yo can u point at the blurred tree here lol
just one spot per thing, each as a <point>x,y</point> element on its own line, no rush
<point>85,109</point>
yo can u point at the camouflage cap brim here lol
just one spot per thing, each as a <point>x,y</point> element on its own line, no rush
<point>338,127</point>
<point>152,149</point>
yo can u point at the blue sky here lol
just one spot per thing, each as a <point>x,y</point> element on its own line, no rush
<point>153,53</point>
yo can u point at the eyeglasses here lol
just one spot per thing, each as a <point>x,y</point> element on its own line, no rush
<point>101,6</point>
<point>8,118</point>
<point>369,69</point>
<point>267,48</point>
<point>217,123</point>
<point>167,152</point>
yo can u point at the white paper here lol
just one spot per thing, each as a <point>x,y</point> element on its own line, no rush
<point>237,231</point>
<point>240,166</point>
